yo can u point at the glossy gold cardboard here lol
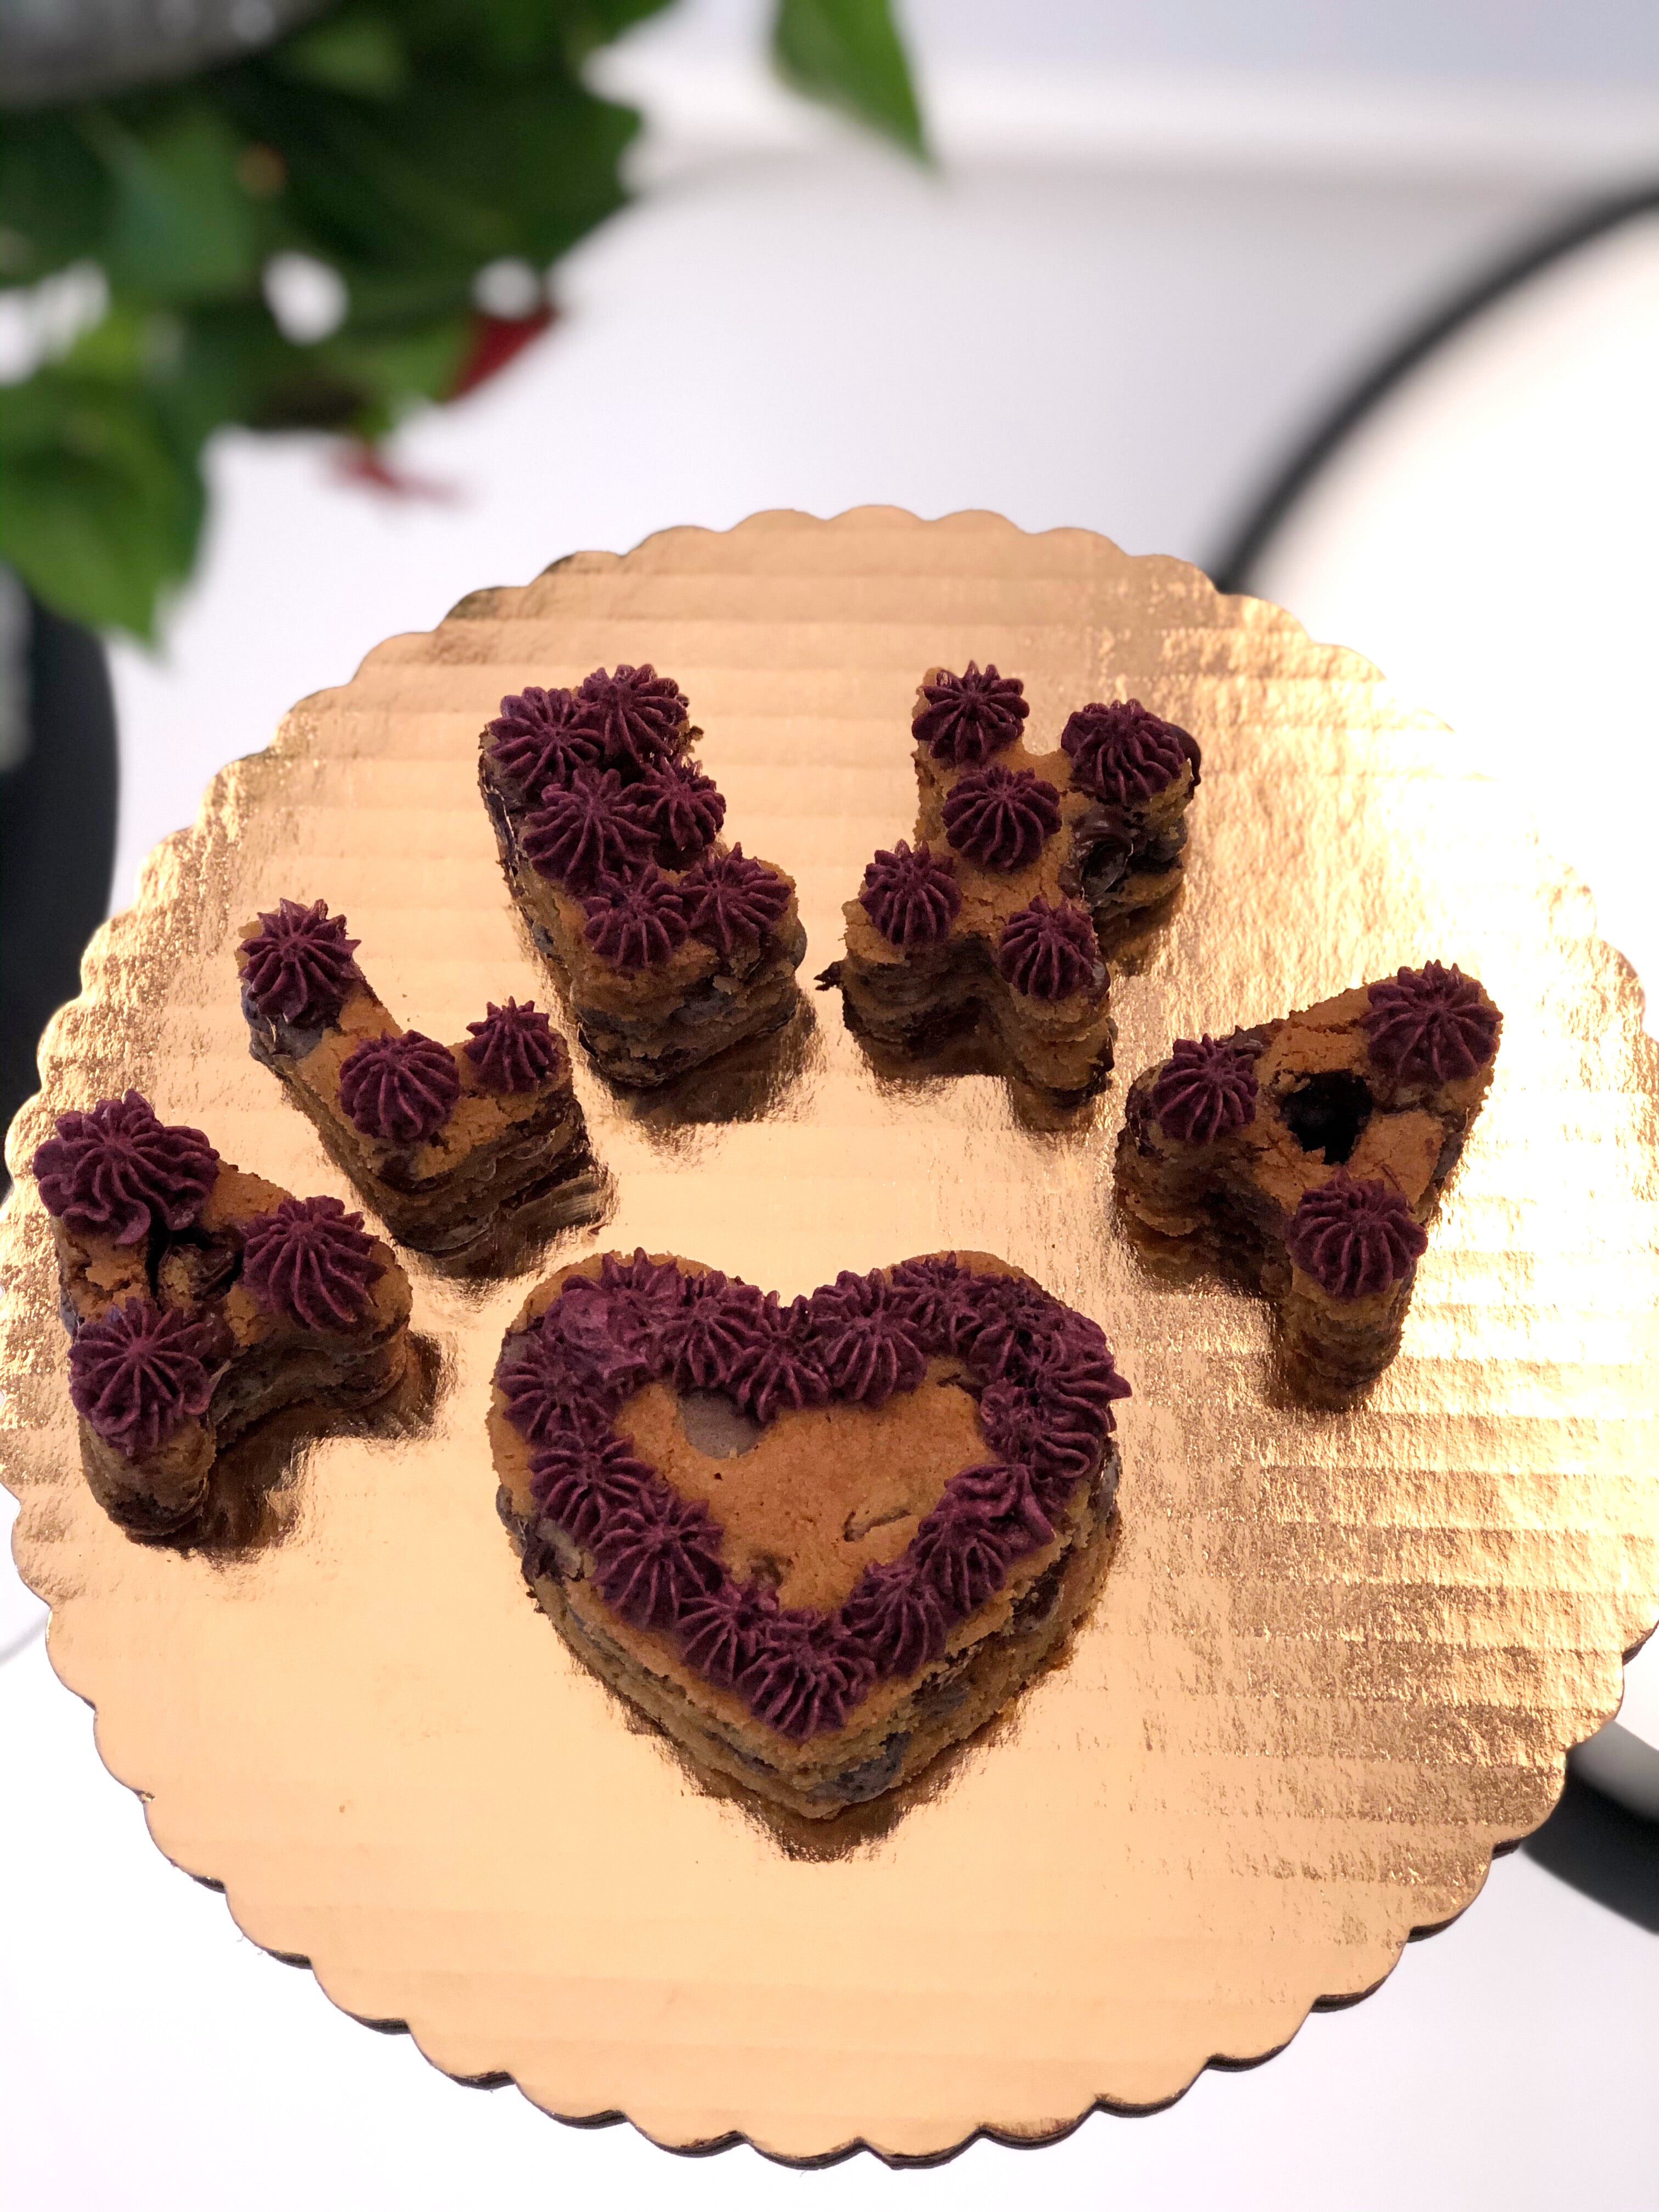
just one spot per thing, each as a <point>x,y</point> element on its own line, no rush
<point>1337,1657</point>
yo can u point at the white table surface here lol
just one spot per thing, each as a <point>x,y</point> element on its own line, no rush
<point>148,2054</point>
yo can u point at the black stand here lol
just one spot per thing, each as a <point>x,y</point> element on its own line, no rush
<point>57,841</point>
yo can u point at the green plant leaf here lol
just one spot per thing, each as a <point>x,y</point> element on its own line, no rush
<point>401,370</point>
<point>406,143</point>
<point>232,364</point>
<point>849,54</point>
<point>468,167</point>
<point>55,196</point>
<point>357,50</point>
<point>99,508</point>
<point>184,225</point>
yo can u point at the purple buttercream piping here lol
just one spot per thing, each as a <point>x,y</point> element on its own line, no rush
<point>714,1324</point>
<point>399,1090</point>
<point>299,968</point>
<point>637,715</point>
<point>934,1295</point>
<point>119,1171</point>
<point>566,1372</point>
<point>1002,1491</point>
<point>590,830</point>
<point>865,1340</point>
<point>1075,1382</point>
<point>1355,1239</point>
<point>1018,1423</point>
<point>910,896</point>
<point>537,742</point>
<point>1047,952</point>
<point>580,1328</point>
<point>682,809</point>
<point>964,1548</point>
<point>513,1047</point>
<point>1431,1023</point>
<point>582,1482</point>
<point>1009,1324</point>
<point>643,1296</point>
<point>312,1260</point>
<point>898,1615</point>
<point>806,1675</point>
<point>1125,754</point>
<point>1000,817</point>
<point>732,902</point>
<point>1205,1090</point>
<point>637,924</point>
<point>967,718</point>
<point>655,1554</point>
<point>777,1366</point>
<point>139,1373</point>
<point>720,1631</point>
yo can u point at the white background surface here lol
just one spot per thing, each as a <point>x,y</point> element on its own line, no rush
<point>1116,308</point>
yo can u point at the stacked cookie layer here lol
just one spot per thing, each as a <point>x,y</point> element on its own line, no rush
<point>673,945</point>
<point>1313,1149</point>
<point>1024,863</point>
<point>199,1300</point>
<point>453,1146</point>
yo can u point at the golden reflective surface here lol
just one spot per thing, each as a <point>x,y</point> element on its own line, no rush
<point>1337,1657</point>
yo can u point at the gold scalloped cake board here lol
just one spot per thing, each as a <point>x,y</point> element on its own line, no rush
<point>1337,1657</point>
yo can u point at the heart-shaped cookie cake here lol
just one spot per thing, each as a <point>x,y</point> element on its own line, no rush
<point>815,1542</point>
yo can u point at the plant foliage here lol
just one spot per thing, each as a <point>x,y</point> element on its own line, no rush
<point>406,144</point>
<point>848,52</point>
